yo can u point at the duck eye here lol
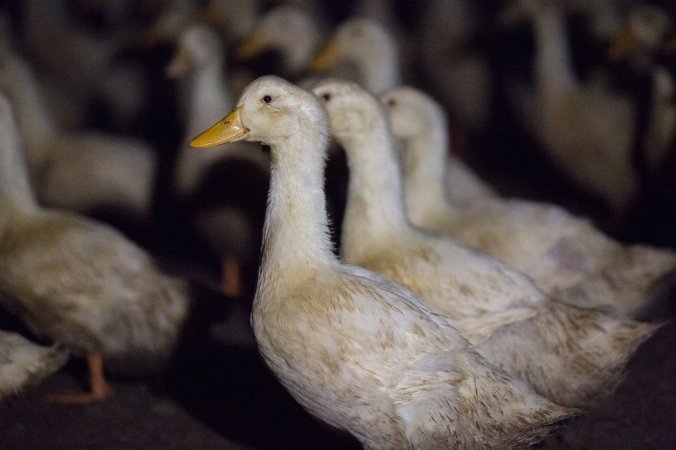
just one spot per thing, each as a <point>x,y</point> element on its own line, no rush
<point>326,97</point>
<point>391,103</point>
<point>267,99</point>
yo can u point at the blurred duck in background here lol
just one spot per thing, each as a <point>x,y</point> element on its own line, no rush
<point>292,31</point>
<point>364,51</point>
<point>80,283</point>
<point>587,131</point>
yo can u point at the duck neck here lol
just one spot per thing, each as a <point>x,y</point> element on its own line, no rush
<point>34,120</point>
<point>296,238</point>
<point>425,166</point>
<point>554,70</point>
<point>375,207</point>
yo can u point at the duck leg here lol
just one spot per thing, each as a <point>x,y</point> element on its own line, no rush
<point>99,389</point>
<point>231,277</point>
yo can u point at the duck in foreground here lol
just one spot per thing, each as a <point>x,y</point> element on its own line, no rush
<point>566,256</point>
<point>570,355</point>
<point>23,363</point>
<point>81,283</point>
<point>357,350</point>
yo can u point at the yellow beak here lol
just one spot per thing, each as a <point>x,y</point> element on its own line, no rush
<point>325,59</point>
<point>623,44</point>
<point>229,129</point>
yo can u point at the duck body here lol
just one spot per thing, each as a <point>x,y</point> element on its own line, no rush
<point>502,312</point>
<point>23,363</point>
<point>357,350</point>
<point>566,256</point>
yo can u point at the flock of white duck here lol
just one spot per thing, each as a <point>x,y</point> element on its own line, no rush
<point>450,317</point>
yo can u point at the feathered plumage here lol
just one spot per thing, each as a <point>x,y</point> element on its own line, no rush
<point>355,349</point>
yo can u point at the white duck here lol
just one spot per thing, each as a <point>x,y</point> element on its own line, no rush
<point>501,312</point>
<point>363,46</point>
<point>355,349</point>
<point>566,256</point>
<point>81,283</point>
<point>587,131</point>
<point>23,362</point>
<point>231,222</point>
<point>292,31</point>
<point>80,171</point>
